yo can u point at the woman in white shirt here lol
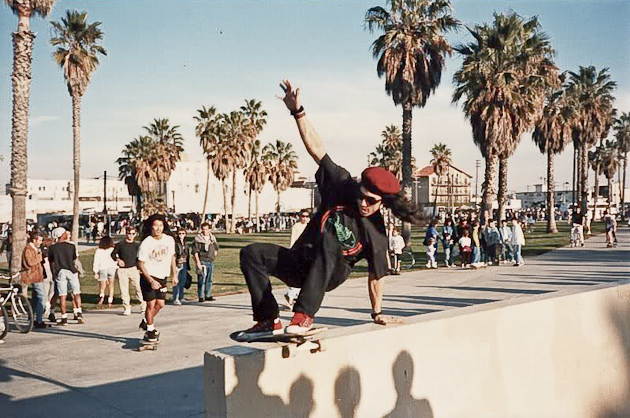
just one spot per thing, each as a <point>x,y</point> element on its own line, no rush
<point>105,270</point>
<point>518,241</point>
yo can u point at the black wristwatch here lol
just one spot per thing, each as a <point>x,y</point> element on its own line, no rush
<point>298,111</point>
<point>375,314</point>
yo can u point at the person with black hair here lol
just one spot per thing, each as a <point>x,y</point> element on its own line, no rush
<point>104,268</point>
<point>347,227</point>
<point>156,261</point>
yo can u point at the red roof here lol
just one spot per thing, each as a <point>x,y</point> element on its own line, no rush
<point>425,172</point>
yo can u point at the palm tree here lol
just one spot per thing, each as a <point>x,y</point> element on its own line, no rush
<point>169,143</point>
<point>552,134</point>
<point>239,138</point>
<point>257,120</point>
<point>77,53</point>
<point>23,40</point>
<point>593,101</point>
<point>504,76</point>
<point>595,159</point>
<point>622,135</point>
<point>204,130</point>
<point>282,166</point>
<point>388,154</point>
<point>256,174</point>
<point>610,165</point>
<point>411,55</point>
<point>441,162</point>
<point>134,168</point>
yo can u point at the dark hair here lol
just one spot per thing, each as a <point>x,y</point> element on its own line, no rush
<point>204,224</point>
<point>465,232</point>
<point>34,235</point>
<point>147,226</point>
<point>130,228</point>
<point>403,209</point>
<point>106,242</point>
<point>448,221</point>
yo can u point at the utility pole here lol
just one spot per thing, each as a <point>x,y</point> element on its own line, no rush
<point>477,165</point>
<point>105,202</point>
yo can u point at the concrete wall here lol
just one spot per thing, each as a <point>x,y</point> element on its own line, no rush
<point>567,355</point>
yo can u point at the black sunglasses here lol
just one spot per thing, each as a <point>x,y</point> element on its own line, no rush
<point>370,200</point>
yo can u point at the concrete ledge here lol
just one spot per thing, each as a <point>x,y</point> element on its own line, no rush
<point>564,354</point>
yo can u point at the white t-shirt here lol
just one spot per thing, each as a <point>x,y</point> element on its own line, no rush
<point>396,244</point>
<point>157,255</point>
<point>296,232</point>
<point>465,242</point>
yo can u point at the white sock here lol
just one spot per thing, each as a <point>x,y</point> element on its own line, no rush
<point>77,310</point>
<point>151,327</point>
<point>64,315</point>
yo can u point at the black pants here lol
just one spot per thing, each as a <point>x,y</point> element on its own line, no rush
<point>315,272</point>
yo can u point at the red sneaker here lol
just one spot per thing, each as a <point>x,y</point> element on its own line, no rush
<point>300,323</point>
<point>273,326</point>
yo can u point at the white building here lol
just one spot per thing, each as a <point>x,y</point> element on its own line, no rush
<point>187,185</point>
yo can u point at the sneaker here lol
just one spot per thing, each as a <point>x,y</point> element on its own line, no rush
<point>152,336</point>
<point>210,299</point>
<point>127,312</point>
<point>143,324</point>
<point>52,318</point>
<point>268,326</point>
<point>201,300</point>
<point>79,317</point>
<point>41,325</point>
<point>300,323</point>
<point>177,302</point>
<point>63,321</point>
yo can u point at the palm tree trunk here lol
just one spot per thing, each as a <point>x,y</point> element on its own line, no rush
<point>233,202</point>
<point>278,209</point>
<point>249,204</point>
<point>578,177</point>
<point>574,174</point>
<point>623,189</point>
<point>76,158</point>
<point>489,190</point>
<point>584,179</point>
<point>225,210</point>
<point>551,198</point>
<point>596,191</point>
<point>435,196</point>
<point>406,163</point>
<point>502,193</point>
<point>22,58</point>
<point>205,196</point>
<point>610,193</point>
<point>257,215</point>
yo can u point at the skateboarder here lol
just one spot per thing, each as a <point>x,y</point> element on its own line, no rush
<point>156,261</point>
<point>346,228</point>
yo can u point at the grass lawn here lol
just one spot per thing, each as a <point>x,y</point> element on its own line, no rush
<point>228,278</point>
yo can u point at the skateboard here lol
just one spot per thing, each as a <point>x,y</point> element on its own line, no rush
<point>292,344</point>
<point>148,345</point>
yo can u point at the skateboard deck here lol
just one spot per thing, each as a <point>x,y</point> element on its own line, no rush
<point>148,345</point>
<point>292,344</point>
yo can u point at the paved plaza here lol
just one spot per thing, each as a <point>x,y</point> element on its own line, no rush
<point>93,370</point>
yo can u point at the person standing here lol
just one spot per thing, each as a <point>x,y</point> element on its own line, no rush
<point>396,247</point>
<point>62,256</point>
<point>492,239</point>
<point>156,261</point>
<point>296,232</point>
<point>33,274</point>
<point>104,268</point>
<point>205,250</point>
<point>448,232</point>
<point>505,234</point>
<point>182,258</point>
<point>578,222</point>
<point>518,241</point>
<point>126,256</point>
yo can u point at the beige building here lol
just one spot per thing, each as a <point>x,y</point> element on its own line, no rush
<point>451,189</point>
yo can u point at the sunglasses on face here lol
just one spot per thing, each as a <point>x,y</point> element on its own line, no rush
<point>370,200</point>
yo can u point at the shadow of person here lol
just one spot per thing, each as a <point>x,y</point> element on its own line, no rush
<point>301,402</point>
<point>406,404</point>
<point>247,396</point>
<point>348,392</point>
<point>620,317</point>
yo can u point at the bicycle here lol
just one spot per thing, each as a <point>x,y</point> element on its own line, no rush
<point>21,309</point>
<point>407,259</point>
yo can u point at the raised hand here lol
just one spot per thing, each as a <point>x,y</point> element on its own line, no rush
<point>291,97</point>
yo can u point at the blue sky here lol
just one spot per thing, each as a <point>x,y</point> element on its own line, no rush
<point>168,58</point>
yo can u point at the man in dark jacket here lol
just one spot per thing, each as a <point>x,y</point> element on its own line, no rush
<point>346,228</point>
<point>205,249</point>
<point>126,256</point>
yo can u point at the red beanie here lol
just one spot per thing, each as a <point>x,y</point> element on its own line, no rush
<point>380,181</point>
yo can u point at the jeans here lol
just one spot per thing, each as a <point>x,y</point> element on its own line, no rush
<point>204,280</point>
<point>476,255</point>
<point>518,258</point>
<point>178,291</point>
<point>447,256</point>
<point>508,254</point>
<point>39,300</point>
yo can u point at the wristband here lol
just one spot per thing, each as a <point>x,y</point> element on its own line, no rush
<point>375,314</point>
<point>294,113</point>
<point>300,115</point>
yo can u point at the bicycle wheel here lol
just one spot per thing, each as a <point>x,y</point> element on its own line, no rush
<point>4,322</point>
<point>22,313</point>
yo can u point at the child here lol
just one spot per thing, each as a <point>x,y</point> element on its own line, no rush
<point>447,241</point>
<point>465,248</point>
<point>431,263</point>
<point>105,270</point>
<point>396,247</point>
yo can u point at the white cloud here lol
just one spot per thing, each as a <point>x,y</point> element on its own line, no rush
<point>36,121</point>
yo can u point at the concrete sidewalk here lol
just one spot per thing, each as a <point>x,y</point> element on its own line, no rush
<point>92,370</point>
